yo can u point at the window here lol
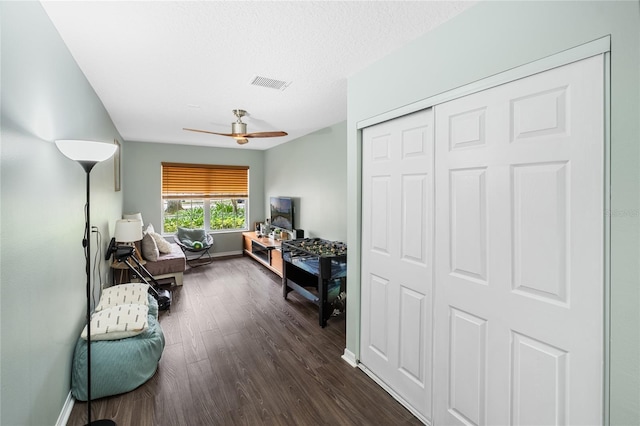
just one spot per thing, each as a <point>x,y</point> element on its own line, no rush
<point>215,198</point>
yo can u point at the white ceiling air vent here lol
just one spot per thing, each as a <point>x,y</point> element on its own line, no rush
<point>269,83</point>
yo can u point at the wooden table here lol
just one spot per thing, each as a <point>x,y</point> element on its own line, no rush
<point>265,250</point>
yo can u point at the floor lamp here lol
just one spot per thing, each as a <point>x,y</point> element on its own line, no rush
<point>88,154</point>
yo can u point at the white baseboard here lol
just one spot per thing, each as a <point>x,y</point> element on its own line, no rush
<point>227,253</point>
<point>350,358</point>
<point>63,418</point>
<point>215,255</point>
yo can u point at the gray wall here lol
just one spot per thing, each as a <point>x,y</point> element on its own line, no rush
<point>313,171</point>
<point>142,174</point>
<point>42,280</point>
<point>492,37</point>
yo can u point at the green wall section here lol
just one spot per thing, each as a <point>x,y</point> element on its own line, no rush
<point>42,281</point>
<point>142,173</point>
<point>312,170</point>
<point>492,37</point>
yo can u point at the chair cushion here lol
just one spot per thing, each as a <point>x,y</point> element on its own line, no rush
<point>163,245</point>
<point>150,248</point>
<point>188,236</point>
<point>168,263</point>
<point>118,322</point>
<point>124,294</point>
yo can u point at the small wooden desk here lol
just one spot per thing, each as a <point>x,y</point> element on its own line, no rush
<point>123,272</point>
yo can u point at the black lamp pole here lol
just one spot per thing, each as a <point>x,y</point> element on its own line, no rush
<point>86,243</point>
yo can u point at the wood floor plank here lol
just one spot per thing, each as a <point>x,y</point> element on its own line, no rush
<point>201,309</point>
<point>192,343</point>
<point>224,377</point>
<point>207,406</point>
<point>138,413</point>
<point>170,323</point>
<point>238,353</point>
<point>173,388</point>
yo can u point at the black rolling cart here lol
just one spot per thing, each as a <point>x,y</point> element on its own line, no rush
<point>317,270</point>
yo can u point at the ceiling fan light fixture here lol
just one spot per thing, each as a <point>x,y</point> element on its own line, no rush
<point>242,141</point>
<point>238,128</point>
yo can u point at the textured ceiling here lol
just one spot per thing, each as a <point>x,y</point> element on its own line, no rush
<point>162,66</point>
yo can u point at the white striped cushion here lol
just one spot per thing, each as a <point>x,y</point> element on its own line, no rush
<point>118,322</point>
<point>124,294</point>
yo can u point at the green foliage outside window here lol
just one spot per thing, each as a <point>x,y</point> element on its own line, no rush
<point>227,215</point>
<point>192,218</point>
<point>224,214</point>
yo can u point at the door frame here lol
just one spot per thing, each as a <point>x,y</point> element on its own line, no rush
<point>600,46</point>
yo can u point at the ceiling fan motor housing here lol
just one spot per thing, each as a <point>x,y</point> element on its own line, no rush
<point>238,128</point>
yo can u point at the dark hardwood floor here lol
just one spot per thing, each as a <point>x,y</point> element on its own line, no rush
<point>238,353</point>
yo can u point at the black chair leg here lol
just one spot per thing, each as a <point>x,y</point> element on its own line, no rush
<point>200,260</point>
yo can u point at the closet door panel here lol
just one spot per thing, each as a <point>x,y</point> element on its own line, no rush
<point>519,251</point>
<point>397,257</point>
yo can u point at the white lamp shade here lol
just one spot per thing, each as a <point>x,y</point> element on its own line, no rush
<point>134,216</point>
<point>81,150</point>
<point>128,230</point>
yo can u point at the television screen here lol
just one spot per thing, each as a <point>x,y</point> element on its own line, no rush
<point>282,213</point>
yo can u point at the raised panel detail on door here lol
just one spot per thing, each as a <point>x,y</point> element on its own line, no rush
<point>539,376</point>
<point>539,114</point>
<point>468,223</point>
<point>467,369</point>
<point>379,224</point>
<point>412,343</point>
<point>415,190</point>
<point>415,143</point>
<point>397,249</point>
<point>540,230</point>
<point>378,316</point>
<point>380,148</point>
<point>467,129</point>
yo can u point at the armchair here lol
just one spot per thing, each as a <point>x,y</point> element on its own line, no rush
<point>196,245</point>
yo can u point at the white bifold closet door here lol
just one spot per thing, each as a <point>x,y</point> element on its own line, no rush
<point>483,253</point>
<point>397,270</point>
<point>519,261</point>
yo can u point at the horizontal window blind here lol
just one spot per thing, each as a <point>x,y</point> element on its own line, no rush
<point>204,181</point>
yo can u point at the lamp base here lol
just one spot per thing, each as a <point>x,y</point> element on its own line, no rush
<point>103,422</point>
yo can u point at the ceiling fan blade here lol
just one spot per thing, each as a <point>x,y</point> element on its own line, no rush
<point>211,133</point>
<point>238,130</point>
<point>265,134</point>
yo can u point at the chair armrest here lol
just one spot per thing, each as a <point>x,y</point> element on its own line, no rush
<point>183,246</point>
<point>206,245</point>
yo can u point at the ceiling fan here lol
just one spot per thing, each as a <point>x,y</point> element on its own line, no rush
<point>239,130</point>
